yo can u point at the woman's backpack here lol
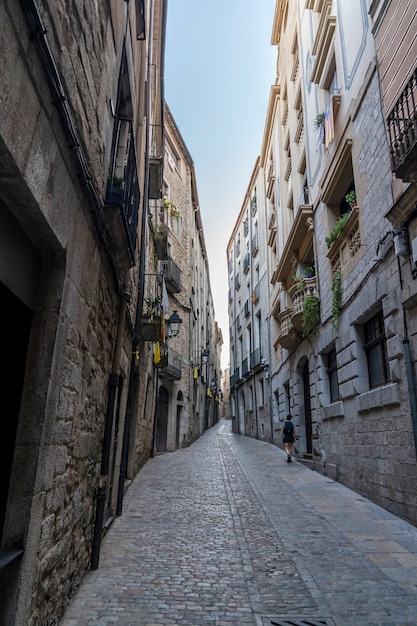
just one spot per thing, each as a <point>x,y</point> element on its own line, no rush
<point>288,428</point>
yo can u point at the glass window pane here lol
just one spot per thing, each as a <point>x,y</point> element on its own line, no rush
<point>376,366</point>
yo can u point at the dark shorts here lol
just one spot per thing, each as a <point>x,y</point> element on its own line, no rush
<point>288,438</point>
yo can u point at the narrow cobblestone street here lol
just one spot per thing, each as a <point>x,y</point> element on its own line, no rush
<point>226,532</point>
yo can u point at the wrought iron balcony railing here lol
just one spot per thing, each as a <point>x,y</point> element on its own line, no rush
<point>122,186</point>
<point>170,365</point>
<point>402,129</point>
<point>172,275</point>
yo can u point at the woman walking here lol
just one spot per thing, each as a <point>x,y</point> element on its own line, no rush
<point>288,437</point>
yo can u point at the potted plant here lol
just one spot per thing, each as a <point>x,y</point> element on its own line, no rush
<point>151,322</point>
<point>309,271</point>
<point>171,208</point>
<point>152,304</point>
<point>298,280</point>
<point>351,199</point>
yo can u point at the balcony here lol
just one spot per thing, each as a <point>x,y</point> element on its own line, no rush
<point>288,336</point>
<point>256,360</point>
<point>402,130</point>
<point>298,293</point>
<point>151,328</point>
<point>347,249</point>
<point>299,243</point>
<point>246,263</point>
<point>255,244</point>
<point>235,377</point>
<point>172,274</point>
<point>246,371</point>
<point>170,365</point>
<point>122,195</point>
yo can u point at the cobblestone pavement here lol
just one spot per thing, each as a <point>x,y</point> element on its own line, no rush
<point>226,532</point>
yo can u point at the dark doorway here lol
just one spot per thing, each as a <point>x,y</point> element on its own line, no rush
<point>15,324</point>
<point>178,429</point>
<point>180,398</point>
<point>112,485</point>
<point>162,420</point>
<point>307,409</point>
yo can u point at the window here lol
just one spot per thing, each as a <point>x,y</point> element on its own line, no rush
<point>376,351</point>
<point>331,364</point>
<point>262,392</point>
<point>122,183</point>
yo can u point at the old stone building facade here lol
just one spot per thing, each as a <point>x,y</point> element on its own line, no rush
<point>82,152</point>
<point>339,213</point>
<point>188,389</point>
<point>248,286</point>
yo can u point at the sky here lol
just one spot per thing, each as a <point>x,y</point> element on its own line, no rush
<point>219,68</point>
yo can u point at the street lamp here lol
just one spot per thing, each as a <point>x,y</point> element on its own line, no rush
<point>174,322</point>
<point>205,356</point>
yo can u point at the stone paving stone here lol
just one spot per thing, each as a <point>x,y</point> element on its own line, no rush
<point>226,532</point>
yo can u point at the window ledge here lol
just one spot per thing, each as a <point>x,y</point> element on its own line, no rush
<point>336,409</point>
<point>387,395</point>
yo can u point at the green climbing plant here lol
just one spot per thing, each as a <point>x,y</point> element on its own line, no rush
<point>336,299</point>
<point>311,314</point>
<point>340,224</point>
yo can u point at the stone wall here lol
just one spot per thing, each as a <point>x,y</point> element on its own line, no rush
<point>55,190</point>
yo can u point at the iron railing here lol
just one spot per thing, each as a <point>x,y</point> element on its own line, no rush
<point>402,129</point>
<point>123,186</point>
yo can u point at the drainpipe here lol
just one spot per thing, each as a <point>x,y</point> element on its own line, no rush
<point>271,414</point>
<point>411,382</point>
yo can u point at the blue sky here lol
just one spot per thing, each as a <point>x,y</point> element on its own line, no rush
<point>219,67</point>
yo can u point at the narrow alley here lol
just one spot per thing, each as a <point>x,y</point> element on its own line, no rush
<point>226,532</point>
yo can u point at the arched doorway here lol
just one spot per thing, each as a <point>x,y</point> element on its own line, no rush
<point>307,408</point>
<point>162,420</point>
